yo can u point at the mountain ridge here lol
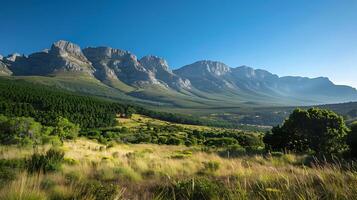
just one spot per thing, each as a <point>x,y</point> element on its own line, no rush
<point>150,77</point>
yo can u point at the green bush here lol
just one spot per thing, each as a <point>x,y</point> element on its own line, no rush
<point>100,190</point>
<point>9,169</point>
<point>51,161</point>
<point>174,141</point>
<point>277,154</point>
<point>220,142</point>
<point>211,166</point>
<point>65,129</point>
<point>199,188</point>
<point>352,140</point>
<point>232,151</point>
<point>318,130</point>
<point>19,130</point>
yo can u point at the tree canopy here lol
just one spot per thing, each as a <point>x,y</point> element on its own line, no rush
<point>319,130</point>
<point>352,140</point>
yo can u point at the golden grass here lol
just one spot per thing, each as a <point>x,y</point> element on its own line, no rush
<point>137,121</point>
<point>140,167</point>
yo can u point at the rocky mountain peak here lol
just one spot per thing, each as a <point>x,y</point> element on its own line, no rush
<point>251,73</point>
<point>118,68</point>
<point>213,67</point>
<point>154,63</point>
<point>65,48</point>
<point>13,57</point>
<point>105,53</point>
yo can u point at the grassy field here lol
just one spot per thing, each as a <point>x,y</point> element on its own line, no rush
<point>147,171</point>
<point>138,121</point>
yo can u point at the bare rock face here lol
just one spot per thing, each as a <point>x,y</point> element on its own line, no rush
<point>160,69</point>
<point>68,57</point>
<point>155,64</point>
<point>4,70</point>
<point>13,57</point>
<point>209,76</point>
<point>118,64</point>
<point>63,57</point>
<point>111,65</point>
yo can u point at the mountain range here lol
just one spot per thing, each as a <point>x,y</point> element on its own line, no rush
<point>119,74</point>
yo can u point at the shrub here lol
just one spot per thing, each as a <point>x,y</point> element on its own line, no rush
<point>319,130</point>
<point>19,130</point>
<point>9,169</point>
<point>277,154</point>
<point>65,129</point>
<point>221,142</point>
<point>200,188</point>
<point>352,140</point>
<point>211,166</point>
<point>51,161</point>
<point>232,151</point>
<point>127,173</point>
<point>174,141</point>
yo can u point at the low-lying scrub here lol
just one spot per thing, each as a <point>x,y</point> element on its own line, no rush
<point>147,171</point>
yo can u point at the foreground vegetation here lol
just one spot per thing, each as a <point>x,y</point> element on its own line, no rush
<point>60,146</point>
<point>144,171</point>
<point>61,162</point>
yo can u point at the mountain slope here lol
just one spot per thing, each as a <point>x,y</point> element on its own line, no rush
<point>118,74</point>
<point>216,77</point>
<point>63,57</point>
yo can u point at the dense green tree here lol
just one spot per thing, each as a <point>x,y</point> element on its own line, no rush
<point>318,130</point>
<point>352,140</point>
<point>65,129</point>
<point>45,104</point>
<point>19,130</point>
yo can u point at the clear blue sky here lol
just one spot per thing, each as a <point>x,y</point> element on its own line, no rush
<point>287,37</point>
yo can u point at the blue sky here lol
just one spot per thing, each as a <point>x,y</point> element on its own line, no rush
<point>286,37</point>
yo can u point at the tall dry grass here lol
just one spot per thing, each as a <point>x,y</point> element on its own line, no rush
<point>146,171</point>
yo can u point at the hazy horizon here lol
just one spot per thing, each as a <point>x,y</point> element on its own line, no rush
<point>300,38</point>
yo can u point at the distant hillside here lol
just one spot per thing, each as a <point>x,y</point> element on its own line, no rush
<point>120,75</point>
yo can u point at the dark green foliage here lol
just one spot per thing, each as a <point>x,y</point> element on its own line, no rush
<point>177,135</point>
<point>100,190</point>
<point>220,142</point>
<point>51,161</point>
<point>174,141</point>
<point>25,131</point>
<point>352,140</point>
<point>46,105</point>
<point>9,169</point>
<point>199,188</point>
<point>318,130</point>
<point>19,130</point>
<point>233,151</point>
<point>64,129</point>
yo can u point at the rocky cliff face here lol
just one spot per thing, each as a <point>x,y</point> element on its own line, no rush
<point>4,70</point>
<point>117,64</point>
<point>122,65</point>
<point>160,69</point>
<point>216,77</point>
<point>208,76</point>
<point>109,64</point>
<point>68,57</point>
<point>63,57</point>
